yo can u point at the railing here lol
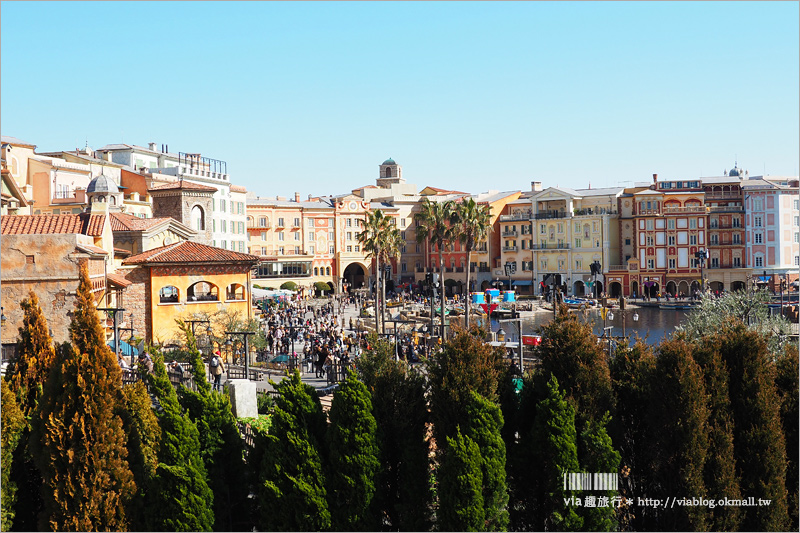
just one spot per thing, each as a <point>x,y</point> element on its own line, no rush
<point>448,269</point>
<point>725,226</point>
<point>516,217</point>
<point>726,209</point>
<point>551,214</point>
<point>689,209</point>
<point>646,212</point>
<point>712,194</point>
<point>512,233</point>
<point>601,211</point>
<point>258,226</point>
<point>552,246</point>
<point>62,195</point>
<point>509,248</point>
<point>459,269</point>
<point>484,269</point>
<point>420,269</point>
<point>726,243</point>
<point>618,267</point>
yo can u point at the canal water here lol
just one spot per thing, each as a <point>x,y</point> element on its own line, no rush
<point>653,326</point>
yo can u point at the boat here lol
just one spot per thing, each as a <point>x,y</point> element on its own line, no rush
<point>578,303</point>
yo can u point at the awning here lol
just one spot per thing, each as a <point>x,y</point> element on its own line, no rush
<point>126,348</point>
<point>522,283</point>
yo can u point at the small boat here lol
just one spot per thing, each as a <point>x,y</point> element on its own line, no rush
<point>578,303</point>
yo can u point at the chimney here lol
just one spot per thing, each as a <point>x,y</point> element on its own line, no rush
<point>152,146</point>
<point>536,186</point>
<point>655,178</point>
<point>297,197</point>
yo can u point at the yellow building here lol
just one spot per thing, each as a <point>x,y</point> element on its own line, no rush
<point>182,280</point>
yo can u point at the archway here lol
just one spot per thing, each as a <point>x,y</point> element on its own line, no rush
<point>616,289</point>
<point>694,288</point>
<point>651,288</point>
<point>331,288</point>
<point>717,286</point>
<point>600,288</point>
<point>738,286</point>
<point>635,289</point>
<point>683,288</point>
<point>355,274</point>
<point>579,288</point>
<point>672,288</point>
<point>484,285</point>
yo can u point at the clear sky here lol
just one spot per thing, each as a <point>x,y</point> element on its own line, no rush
<point>313,96</point>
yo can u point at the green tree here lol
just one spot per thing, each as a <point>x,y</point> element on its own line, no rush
<point>11,426</point>
<point>77,438</point>
<point>460,486</point>
<point>553,441</point>
<point>465,364</point>
<point>759,444</point>
<point>433,226</point>
<point>570,351</point>
<point>380,239</point>
<point>27,375</point>
<point>484,422</point>
<point>599,456</point>
<point>181,499</point>
<point>787,384</point>
<point>403,494</point>
<point>471,223</point>
<point>289,285</point>
<point>679,415</point>
<point>293,490</point>
<point>354,457</point>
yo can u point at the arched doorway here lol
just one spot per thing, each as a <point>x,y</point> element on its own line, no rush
<point>616,289</point>
<point>717,286</point>
<point>579,288</point>
<point>355,274</point>
<point>332,288</point>
<point>635,289</point>
<point>683,288</point>
<point>738,286</point>
<point>672,288</point>
<point>485,285</point>
<point>694,288</point>
<point>651,288</point>
<point>600,288</point>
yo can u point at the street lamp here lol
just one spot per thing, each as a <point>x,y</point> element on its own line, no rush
<point>115,313</point>
<point>501,335</point>
<point>607,331</point>
<point>246,335</point>
<point>701,255</point>
<point>2,316</point>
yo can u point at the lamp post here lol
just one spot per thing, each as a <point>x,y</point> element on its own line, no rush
<point>246,335</point>
<point>115,313</point>
<point>701,255</point>
<point>635,319</point>
<point>607,330</point>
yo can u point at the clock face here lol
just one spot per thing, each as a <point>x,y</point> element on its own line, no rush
<point>353,206</point>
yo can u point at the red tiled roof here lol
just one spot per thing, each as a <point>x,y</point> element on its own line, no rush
<point>126,222</point>
<point>83,223</point>
<point>188,185</point>
<point>92,249</point>
<point>118,280</point>
<point>122,251</point>
<point>238,188</point>
<point>190,252</point>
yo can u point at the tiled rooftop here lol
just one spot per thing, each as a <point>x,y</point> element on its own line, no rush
<point>126,222</point>
<point>182,184</point>
<point>189,252</point>
<point>83,223</point>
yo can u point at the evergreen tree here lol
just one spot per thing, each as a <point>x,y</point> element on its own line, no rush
<point>465,364</point>
<point>679,415</point>
<point>759,444</point>
<point>461,506</point>
<point>294,495</point>
<point>570,351</point>
<point>599,456</point>
<point>181,499</point>
<point>484,422</point>
<point>143,433</point>
<point>787,384</point>
<point>720,470</point>
<point>27,375</point>
<point>403,495</point>
<point>553,441</point>
<point>77,439</point>
<point>12,426</point>
<point>354,455</point>
<point>221,446</point>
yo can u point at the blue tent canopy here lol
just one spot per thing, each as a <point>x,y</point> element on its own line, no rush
<point>522,282</point>
<point>126,348</point>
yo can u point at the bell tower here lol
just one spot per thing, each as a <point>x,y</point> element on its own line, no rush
<point>390,173</point>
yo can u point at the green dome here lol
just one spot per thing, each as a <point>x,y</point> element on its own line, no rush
<point>389,161</point>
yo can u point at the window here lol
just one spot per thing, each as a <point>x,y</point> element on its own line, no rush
<point>224,226</point>
<point>311,249</point>
<point>280,222</point>
<point>757,238</point>
<point>671,240</point>
<point>650,223</point>
<point>330,249</point>
<point>797,204</point>
<point>737,262</point>
<point>671,263</point>
<point>168,294</point>
<point>797,221</point>
<point>280,236</point>
<point>281,250</point>
<point>310,222</point>
<point>416,248</point>
<point>241,227</point>
<point>357,248</point>
<point>543,229</point>
<point>316,271</point>
<point>331,236</point>
<point>349,222</point>
<point>578,264</point>
<point>757,221</point>
<point>327,271</point>
<point>759,261</point>
<point>234,291</point>
<point>222,205</point>
<point>671,223</point>
<point>262,222</point>
<point>403,225</point>
<point>349,235</point>
<point>797,237</point>
<point>297,250</point>
<point>627,242</point>
<point>692,223</point>
<point>543,264</point>
<point>263,235</point>
<point>693,239</point>
<point>202,291</point>
<point>310,235</point>
<point>714,262</point>
<point>650,240</point>
<point>403,267</point>
<point>296,222</point>
<point>797,260</point>
<point>297,235</point>
<point>651,263</point>
<point>241,246</point>
<point>560,227</point>
<point>224,245</point>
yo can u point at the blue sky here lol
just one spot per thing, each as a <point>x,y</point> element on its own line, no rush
<point>312,97</point>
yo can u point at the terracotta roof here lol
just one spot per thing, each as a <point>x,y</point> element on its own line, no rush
<point>83,223</point>
<point>122,251</point>
<point>187,185</point>
<point>190,252</point>
<point>444,191</point>
<point>238,188</point>
<point>118,280</point>
<point>126,222</point>
<point>92,249</point>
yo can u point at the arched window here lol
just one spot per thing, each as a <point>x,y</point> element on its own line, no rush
<point>316,271</point>
<point>198,218</point>
<point>235,291</point>
<point>168,294</point>
<point>202,291</point>
<point>113,200</point>
<point>327,271</point>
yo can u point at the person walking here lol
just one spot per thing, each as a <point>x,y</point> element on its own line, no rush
<point>217,368</point>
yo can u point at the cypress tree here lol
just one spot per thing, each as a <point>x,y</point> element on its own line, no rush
<point>221,446</point>
<point>553,441</point>
<point>77,439</point>
<point>599,456</point>
<point>353,452</point>
<point>403,496</point>
<point>484,423</point>
<point>720,470</point>
<point>569,350</point>
<point>787,384</point>
<point>27,375</point>
<point>679,415</point>
<point>461,506</point>
<point>143,433</point>
<point>759,444</point>
<point>293,492</point>
<point>11,426</point>
<point>181,499</point>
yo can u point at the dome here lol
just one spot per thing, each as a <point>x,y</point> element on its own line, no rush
<point>734,172</point>
<point>102,184</point>
<point>389,161</point>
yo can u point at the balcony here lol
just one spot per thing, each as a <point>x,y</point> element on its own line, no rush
<point>725,226</point>
<point>726,209</point>
<point>512,233</point>
<point>682,210</point>
<point>726,244</point>
<point>459,269</point>
<point>509,248</point>
<point>723,195</point>
<point>484,269</point>
<point>550,214</point>
<point>552,246</point>
<point>516,217</point>
<point>617,267</point>
<point>595,212</point>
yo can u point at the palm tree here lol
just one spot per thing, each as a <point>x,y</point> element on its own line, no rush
<point>380,240</point>
<point>433,224</point>
<point>471,223</point>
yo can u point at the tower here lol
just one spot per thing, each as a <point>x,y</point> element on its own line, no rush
<point>390,173</point>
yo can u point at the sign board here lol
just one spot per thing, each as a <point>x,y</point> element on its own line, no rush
<point>488,308</point>
<point>531,340</point>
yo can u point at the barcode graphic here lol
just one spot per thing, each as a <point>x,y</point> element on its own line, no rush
<point>589,481</point>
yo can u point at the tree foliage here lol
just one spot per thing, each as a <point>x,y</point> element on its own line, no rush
<point>354,457</point>
<point>78,440</point>
<point>293,489</point>
<point>599,456</point>
<point>471,223</point>
<point>12,426</point>
<point>787,385</point>
<point>461,506</point>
